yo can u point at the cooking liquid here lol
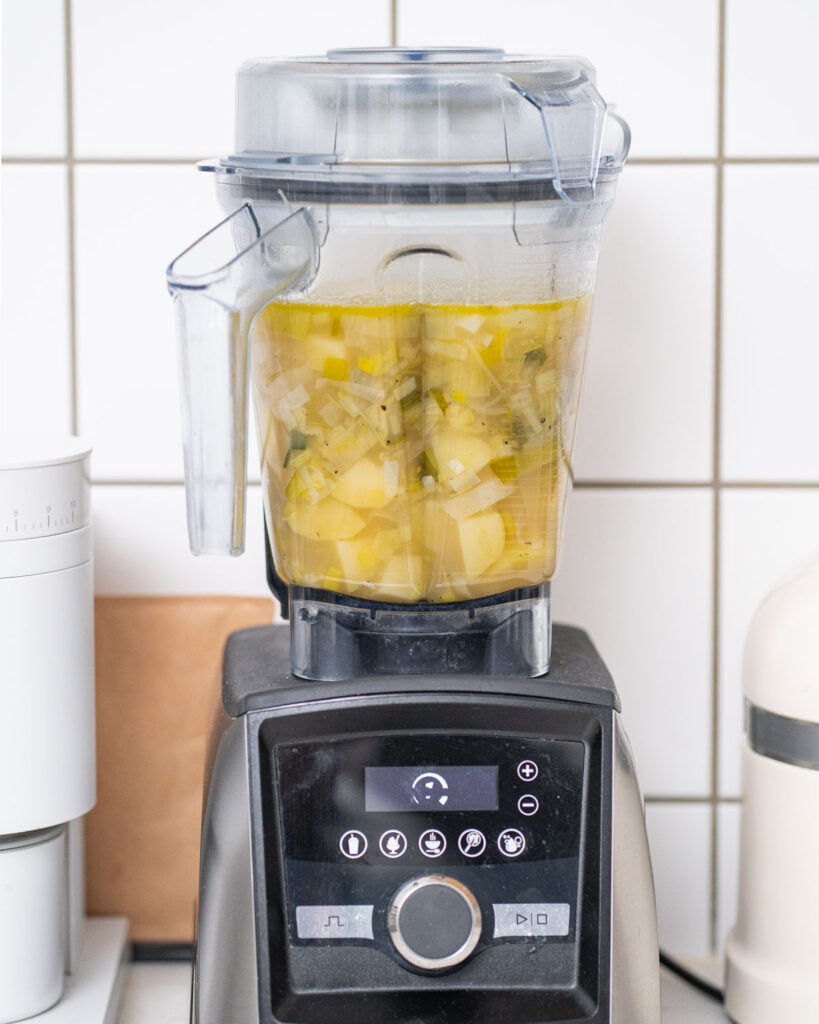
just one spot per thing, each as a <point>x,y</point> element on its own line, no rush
<point>417,452</point>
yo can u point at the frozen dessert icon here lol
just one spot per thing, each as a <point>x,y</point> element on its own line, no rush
<point>432,843</point>
<point>472,842</point>
<point>393,843</point>
<point>353,844</point>
<point>511,842</point>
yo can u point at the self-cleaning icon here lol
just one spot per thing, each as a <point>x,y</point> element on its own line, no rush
<point>511,842</point>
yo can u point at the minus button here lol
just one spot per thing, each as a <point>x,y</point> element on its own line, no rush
<point>528,805</point>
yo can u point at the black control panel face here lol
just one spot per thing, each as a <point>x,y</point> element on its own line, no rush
<point>430,802</point>
<point>411,863</point>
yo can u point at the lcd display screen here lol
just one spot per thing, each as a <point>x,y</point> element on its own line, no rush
<point>431,788</point>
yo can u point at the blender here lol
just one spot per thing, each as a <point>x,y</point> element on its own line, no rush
<point>406,817</point>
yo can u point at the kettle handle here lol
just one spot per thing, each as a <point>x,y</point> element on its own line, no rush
<point>218,285</point>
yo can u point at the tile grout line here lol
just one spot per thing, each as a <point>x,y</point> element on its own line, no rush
<point>658,798</point>
<point>582,485</point>
<point>636,161</point>
<point>393,22</point>
<point>714,485</point>
<point>701,801</point>
<point>577,485</point>
<point>104,160</point>
<point>717,471</point>
<point>71,220</point>
<point>148,482</point>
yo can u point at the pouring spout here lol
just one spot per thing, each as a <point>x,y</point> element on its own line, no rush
<point>219,284</point>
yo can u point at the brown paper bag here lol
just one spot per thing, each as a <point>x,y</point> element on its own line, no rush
<point>158,662</point>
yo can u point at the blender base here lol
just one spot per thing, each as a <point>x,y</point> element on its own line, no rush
<point>338,637</point>
<point>312,848</point>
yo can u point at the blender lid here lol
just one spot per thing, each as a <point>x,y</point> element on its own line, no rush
<point>409,116</point>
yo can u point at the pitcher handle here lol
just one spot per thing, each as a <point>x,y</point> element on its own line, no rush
<point>575,121</point>
<point>219,284</point>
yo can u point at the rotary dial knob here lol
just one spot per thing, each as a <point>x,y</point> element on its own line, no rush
<point>434,922</point>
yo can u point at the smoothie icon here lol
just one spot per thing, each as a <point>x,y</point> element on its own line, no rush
<point>353,844</point>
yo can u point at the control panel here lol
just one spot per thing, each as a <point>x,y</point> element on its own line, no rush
<point>427,848</point>
<point>431,848</point>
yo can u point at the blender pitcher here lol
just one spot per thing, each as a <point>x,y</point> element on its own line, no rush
<point>405,276</point>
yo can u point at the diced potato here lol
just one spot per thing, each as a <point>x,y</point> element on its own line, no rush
<point>402,578</point>
<point>462,550</point>
<point>481,539</point>
<point>358,559</point>
<point>302,559</point>
<point>365,485</point>
<point>328,519</point>
<point>455,452</point>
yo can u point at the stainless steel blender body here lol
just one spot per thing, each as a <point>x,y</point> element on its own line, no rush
<point>565,938</point>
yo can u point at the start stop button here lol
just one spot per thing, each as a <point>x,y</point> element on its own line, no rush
<point>434,922</point>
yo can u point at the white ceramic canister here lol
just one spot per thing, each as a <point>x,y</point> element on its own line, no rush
<point>47,758</point>
<point>772,955</point>
<point>32,922</point>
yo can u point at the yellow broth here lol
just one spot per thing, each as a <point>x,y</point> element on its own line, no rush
<point>416,452</point>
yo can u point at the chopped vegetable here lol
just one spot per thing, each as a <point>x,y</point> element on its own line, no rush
<point>416,453</point>
<point>484,496</point>
<point>364,485</point>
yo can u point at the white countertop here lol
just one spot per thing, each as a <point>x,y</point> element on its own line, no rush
<point>92,992</point>
<point>160,994</point>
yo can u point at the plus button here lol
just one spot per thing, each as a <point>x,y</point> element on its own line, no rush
<point>528,770</point>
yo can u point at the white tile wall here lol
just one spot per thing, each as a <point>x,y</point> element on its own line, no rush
<point>156,558</point>
<point>728,825</point>
<point>163,85</point>
<point>33,69</point>
<point>648,393</point>
<point>656,62</point>
<point>772,78</point>
<point>765,533</point>
<point>35,354</point>
<point>635,572</point>
<point>131,221</point>
<point>770,415</point>
<point>152,86</point>
<point>680,839</point>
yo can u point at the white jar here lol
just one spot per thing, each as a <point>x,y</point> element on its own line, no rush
<point>47,757</point>
<point>32,922</point>
<point>772,955</point>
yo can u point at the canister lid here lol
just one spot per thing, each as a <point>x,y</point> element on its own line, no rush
<point>425,115</point>
<point>32,451</point>
<point>45,490</point>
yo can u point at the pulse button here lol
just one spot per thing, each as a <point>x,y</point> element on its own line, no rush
<point>434,922</point>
